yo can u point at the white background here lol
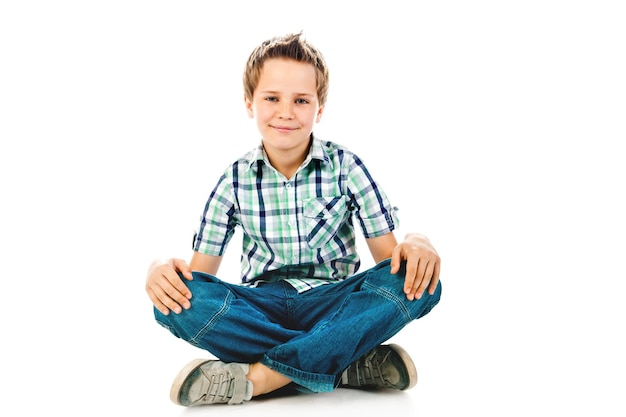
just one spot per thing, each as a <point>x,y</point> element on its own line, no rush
<point>497,127</point>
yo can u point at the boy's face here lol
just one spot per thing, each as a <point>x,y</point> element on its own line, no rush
<point>285,105</point>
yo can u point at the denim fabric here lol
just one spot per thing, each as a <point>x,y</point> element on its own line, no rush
<point>310,337</point>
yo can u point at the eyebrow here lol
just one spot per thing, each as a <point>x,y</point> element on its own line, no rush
<point>297,94</point>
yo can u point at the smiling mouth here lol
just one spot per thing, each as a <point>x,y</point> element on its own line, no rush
<point>283,128</point>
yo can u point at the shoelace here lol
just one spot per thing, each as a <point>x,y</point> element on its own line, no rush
<point>371,369</point>
<point>226,386</point>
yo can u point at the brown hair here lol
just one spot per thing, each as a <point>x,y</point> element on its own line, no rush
<point>291,46</point>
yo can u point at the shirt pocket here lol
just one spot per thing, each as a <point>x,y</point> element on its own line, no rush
<point>323,218</point>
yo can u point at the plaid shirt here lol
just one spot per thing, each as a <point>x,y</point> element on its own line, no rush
<point>299,229</point>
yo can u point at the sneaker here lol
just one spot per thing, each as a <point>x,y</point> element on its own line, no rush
<point>204,381</point>
<point>386,366</point>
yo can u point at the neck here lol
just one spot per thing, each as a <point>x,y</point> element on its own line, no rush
<point>286,166</point>
<point>287,161</point>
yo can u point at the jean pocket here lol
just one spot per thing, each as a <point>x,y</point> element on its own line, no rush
<point>323,219</point>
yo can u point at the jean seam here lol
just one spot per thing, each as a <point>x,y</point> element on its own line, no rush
<point>209,324</point>
<point>391,297</point>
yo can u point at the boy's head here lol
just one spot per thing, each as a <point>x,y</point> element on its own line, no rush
<point>292,46</point>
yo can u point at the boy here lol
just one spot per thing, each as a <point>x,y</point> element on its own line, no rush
<point>302,315</point>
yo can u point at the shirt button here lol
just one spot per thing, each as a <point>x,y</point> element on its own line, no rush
<point>287,185</point>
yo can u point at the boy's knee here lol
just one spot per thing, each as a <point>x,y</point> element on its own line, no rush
<point>206,304</point>
<point>430,300</point>
<point>380,276</point>
<point>393,286</point>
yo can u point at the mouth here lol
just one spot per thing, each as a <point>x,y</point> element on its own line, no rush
<point>283,129</point>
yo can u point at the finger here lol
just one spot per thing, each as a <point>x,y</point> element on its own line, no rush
<point>187,274</point>
<point>183,268</point>
<point>178,292</point>
<point>179,286</point>
<point>419,278</point>
<point>157,303</point>
<point>410,277</point>
<point>171,275</point>
<point>412,293</point>
<point>174,304</point>
<point>161,299</point>
<point>395,260</point>
<point>423,264</point>
<point>425,280</point>
<point>171,291</point>
<point>433,282</point>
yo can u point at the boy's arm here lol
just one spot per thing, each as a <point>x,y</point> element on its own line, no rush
<point>422,261</point>
<point>382,247</point>
<point>205,263</point>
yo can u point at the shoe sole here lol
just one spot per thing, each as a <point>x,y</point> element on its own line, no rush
<point>408,362</point>
<point>181,377</point>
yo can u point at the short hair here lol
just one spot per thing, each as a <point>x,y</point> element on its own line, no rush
<point>291,46</point>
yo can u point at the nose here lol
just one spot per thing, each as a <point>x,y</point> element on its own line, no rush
<point>286,110</point>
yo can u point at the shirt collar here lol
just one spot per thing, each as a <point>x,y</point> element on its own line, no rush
<point>316,151</point>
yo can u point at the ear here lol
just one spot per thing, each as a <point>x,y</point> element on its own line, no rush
<point>249,109</point>
<point>319,114</point>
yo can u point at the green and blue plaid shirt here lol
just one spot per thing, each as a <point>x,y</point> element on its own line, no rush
<point>299,229</point>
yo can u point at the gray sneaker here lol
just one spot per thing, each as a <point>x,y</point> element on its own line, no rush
<point>204,381</point>
<point>385,366</point>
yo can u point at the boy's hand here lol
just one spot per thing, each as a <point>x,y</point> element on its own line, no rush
<point>165,288</point>
<point>422,265</point>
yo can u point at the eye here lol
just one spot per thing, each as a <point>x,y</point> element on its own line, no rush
<point>302,101</point>
<point>271,99</point>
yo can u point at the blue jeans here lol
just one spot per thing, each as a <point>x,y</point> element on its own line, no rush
<point>310,337</point>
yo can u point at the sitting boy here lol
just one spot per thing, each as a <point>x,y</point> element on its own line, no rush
<point>302,315</point>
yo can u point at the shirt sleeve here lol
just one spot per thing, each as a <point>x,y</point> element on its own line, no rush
<point>371,206</point>
<point>217,223</point>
